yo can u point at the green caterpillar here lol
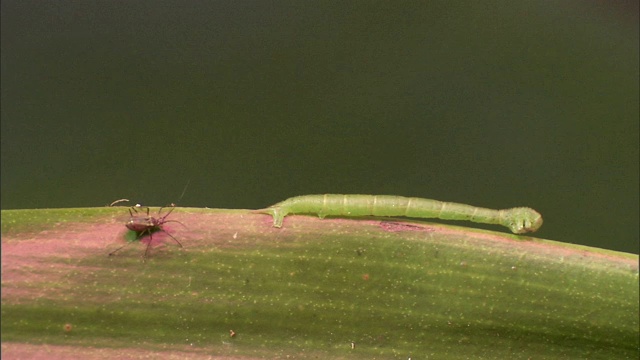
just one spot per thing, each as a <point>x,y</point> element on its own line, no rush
<point>519,220</point>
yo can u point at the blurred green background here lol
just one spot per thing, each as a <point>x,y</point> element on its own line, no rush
<point>491,103</point>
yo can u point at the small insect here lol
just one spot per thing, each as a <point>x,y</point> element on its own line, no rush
<point>519,220</point>
<point>146,224</point>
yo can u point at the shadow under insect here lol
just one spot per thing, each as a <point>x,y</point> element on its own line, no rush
<point>142,226</point>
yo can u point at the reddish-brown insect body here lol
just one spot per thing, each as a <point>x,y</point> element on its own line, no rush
<point>144,224</point>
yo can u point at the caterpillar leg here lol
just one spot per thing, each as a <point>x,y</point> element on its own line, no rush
<point>277,213</point>
<point>522,220</point>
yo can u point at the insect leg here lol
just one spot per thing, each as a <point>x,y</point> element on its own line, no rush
<point>144,256</point>
<point>176,240</point>
<point>118,249</point>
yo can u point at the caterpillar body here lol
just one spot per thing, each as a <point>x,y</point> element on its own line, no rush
<point>519,220</point>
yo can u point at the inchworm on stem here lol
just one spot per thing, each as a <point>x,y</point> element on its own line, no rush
<point>519,220</point>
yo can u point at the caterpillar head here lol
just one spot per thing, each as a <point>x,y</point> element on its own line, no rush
<point>522,220</point>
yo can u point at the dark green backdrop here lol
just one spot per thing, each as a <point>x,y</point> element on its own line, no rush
<point>491,103</point>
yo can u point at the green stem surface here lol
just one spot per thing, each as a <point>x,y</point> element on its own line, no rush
<point>332,288</point>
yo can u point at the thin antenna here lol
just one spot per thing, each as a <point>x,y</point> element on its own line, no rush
<point>184,190</point>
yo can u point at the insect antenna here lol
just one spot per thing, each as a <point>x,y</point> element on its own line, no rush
<point>173,206</point>
<point>118,201</point>
<point>184,190</point>
<point>163,217</point>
